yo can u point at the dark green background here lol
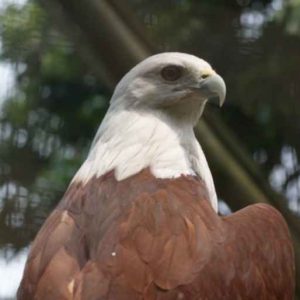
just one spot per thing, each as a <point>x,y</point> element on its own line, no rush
<point>49,118</point>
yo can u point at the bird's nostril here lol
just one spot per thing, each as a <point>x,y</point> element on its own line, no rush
<point>203,76</point>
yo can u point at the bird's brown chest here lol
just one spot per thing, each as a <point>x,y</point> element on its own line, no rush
<point>145,238</point>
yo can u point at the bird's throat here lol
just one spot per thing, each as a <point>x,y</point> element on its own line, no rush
<point>129,142</point>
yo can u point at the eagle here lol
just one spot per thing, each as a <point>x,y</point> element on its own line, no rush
<point>140,218</point>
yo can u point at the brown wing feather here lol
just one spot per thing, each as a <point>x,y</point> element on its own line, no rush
<point>147,238</point>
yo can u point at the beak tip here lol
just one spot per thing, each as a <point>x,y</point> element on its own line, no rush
<point>219,88</point>
<point>221,101</point>
<point>221,91</point>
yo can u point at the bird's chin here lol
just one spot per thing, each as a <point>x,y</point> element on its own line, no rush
<point>188,108</point>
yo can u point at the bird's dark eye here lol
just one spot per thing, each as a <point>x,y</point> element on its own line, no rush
<point>171,73</point>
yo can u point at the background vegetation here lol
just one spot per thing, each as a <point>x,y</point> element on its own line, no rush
<point>66,59</point>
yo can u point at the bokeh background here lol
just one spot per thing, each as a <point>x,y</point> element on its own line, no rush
<point>59,62</point>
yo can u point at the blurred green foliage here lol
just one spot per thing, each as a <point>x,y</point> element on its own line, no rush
<point>48,121</point>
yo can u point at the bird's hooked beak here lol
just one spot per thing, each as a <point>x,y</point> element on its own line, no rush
<point>213,88</point>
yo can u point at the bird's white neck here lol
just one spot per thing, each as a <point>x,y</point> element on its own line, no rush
<point>130,141</point>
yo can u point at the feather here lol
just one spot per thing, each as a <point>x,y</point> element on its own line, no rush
<point>158,237</point>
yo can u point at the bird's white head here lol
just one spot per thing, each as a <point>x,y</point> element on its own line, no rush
<point>178,84</point>
<point>150,121</point>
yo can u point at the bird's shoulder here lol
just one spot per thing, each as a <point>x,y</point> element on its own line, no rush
<point>261,219</point>
<point>263,252</point>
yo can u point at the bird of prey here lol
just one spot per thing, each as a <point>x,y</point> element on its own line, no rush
<point>139,219</point>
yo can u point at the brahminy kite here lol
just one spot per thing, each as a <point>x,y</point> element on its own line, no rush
<point>139,220</point>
